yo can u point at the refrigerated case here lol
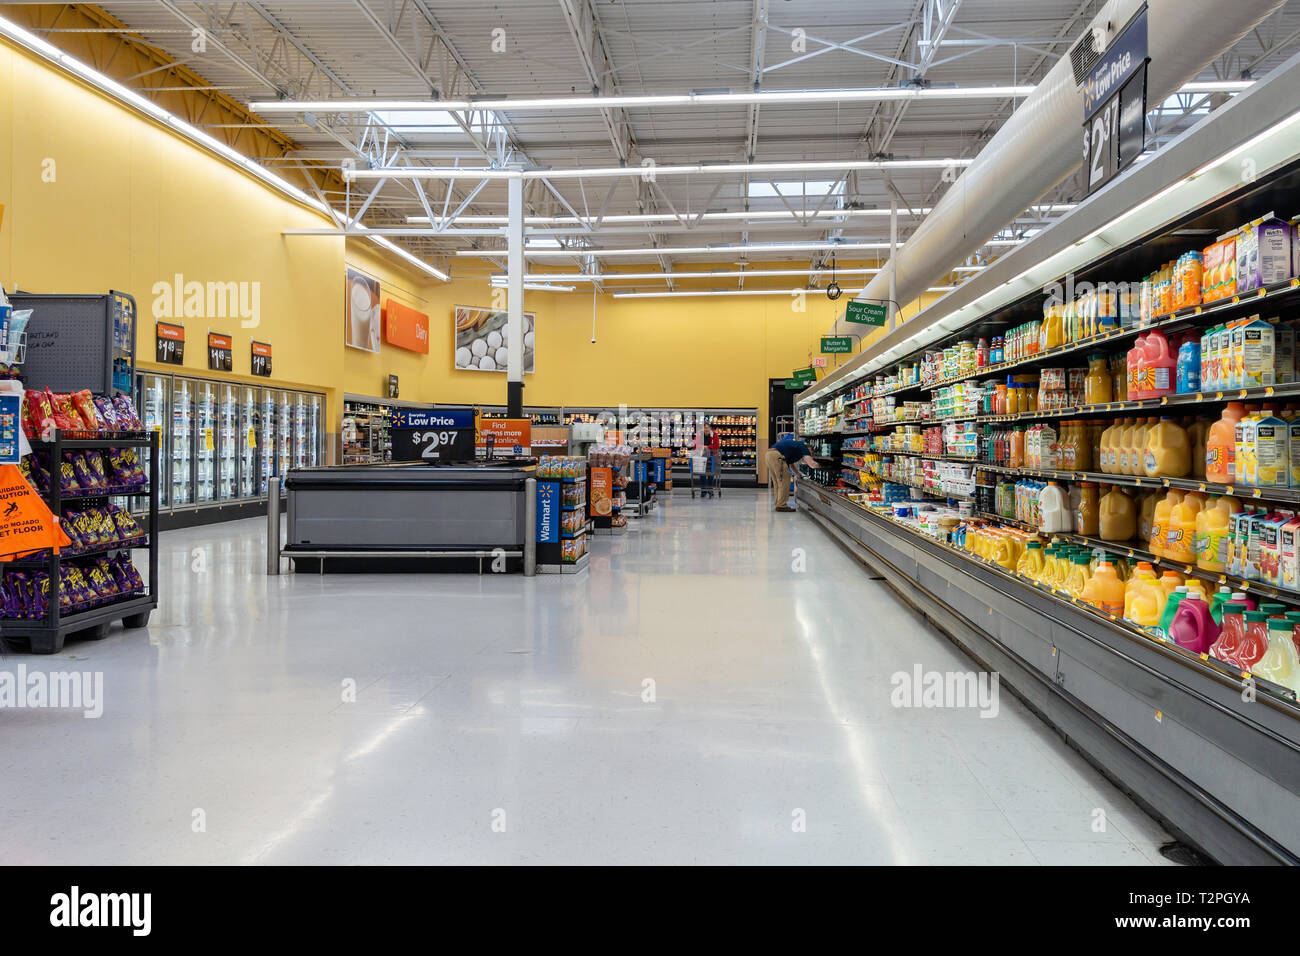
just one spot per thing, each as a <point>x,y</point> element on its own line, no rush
<point>221,441</point>
<point>153,398</point>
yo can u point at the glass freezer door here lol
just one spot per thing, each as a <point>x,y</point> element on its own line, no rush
<point>205,442</point>
<point>266,439</point>
<point>155,390</point>
<point>250,417</point>
<point>313,430</point>
<point>182,472</point>
<point>227,443</point>
<point>301,430</point>
<point>284,437</point>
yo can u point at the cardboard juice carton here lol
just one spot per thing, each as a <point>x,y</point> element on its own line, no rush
<point>1289,564</point>
<point>1270,541</point>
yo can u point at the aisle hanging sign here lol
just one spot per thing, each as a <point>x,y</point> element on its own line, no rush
<point>866,313</point>
<point>436,434</point>
<point>261,359</point>
<point>837,344</point>
<point>220,352</point>
<point>1114,105</point>
<point>801,379</point>
<point>498,437</point>
<point>405,328</point>
<point>169,343</point>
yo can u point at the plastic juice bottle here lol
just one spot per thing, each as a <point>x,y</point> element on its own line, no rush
<point>1254,645</point>
<point>1106,450</point>
<point>1192,626</point>
<point>1077,578</point>
<point>1147,604</point>
<point>1280,663</point>
<point>1096,386</point>
<point>1087,516</point>
<point>1160,521</point>
<point>1172,600</point>
<point>1031,562</point>
<point>1180,538</point>
<point>1188,373</point>
<point>1197,432</point>
<point>1118,518</point>
<point>1220,598</point>
<point>1231,633</point>
<point>1158,365</point>
<point>1104,590</point>
<point>1143,575</point>
<point>1168,451</point>
<point>1137,451</point>
<point>1294,618</point>
<point>1197,586</point>
<point>1221,445</point>
<point>1214,534</point>
<point>1119,446</point>
<point>1053,332</point>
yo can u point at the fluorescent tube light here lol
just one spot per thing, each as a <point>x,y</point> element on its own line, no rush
<point>635,101</point>
<point>690,293</point>
<point>683,250</point>
<point>639,276</point>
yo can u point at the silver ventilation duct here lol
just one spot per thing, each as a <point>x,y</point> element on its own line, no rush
<point>1041,144</point>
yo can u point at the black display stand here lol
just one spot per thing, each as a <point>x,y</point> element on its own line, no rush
<point>48,635</point>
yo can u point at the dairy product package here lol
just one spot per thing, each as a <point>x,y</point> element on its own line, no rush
<point>1263,254</point>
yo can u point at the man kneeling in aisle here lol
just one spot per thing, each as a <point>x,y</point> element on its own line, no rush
<point>786,452</point>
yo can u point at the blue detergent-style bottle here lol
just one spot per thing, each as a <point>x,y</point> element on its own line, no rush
<point>1188,371</point>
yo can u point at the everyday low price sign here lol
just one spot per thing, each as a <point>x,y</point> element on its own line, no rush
<point>866,313</point>
<point>444,434</point>
<point>837,344</point>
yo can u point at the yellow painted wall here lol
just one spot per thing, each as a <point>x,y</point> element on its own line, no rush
<point>131,205</point>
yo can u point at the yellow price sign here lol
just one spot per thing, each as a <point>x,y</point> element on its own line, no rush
<point>207,439</point>
<point>252,438</point>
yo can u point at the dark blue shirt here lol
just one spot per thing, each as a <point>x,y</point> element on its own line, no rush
<point>791,449</point>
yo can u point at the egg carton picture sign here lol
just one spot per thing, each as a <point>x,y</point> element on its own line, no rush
<point>480,344</point>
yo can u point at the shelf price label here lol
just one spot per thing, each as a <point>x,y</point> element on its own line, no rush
<point>220,352</point>
<point>260,359</point>
<point>169,343</point>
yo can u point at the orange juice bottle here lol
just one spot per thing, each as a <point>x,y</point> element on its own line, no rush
<point>1147,603</point>
<point>1170,581</point>
<point>1138,451</point>
<point>1076,579</point>
<point>1197,434</point>
<point>1221,445</point>
<point>1168,451</point>
<point>1143,575</point>
<point>1120,442</point>
<point>1160,521</point>
<point>1180,539</point>
<point>1104,590</point>
<point>1214,534</point>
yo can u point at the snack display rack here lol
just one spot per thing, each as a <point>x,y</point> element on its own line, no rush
<point>607,480</point>
<point>567,478</point>
<point>47,635</point>
<point>1211,750</point>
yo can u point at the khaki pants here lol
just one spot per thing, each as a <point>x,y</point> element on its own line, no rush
<point>778,476</point>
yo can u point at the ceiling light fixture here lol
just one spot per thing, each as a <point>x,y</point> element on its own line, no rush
<point>639,276</point>
<point>635,101</point>
<point>648,171</point>
<point>681,250</point>
<point>700,293</point>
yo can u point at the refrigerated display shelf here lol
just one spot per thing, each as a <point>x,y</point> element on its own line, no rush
<point>1288,495</point>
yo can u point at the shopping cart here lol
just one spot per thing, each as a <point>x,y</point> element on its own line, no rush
<point>704,475</point>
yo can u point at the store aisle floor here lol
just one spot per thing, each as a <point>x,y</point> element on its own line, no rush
<point>716,688</point>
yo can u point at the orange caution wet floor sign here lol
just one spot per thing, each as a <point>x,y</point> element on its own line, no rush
<point>26,524</point>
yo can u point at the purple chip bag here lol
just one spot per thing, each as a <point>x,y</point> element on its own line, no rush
<point>107,414</point>
<point>122,563</point>
<point>81,469</point>
<point>38,597</point>
<point>120,577</point>
<point>127,528</point>
<point>68,483</point>
<point>95,462</point>
<point>18,584</point>
<point>126,416</point>
<point>105,572</point>
<point>7,608</point>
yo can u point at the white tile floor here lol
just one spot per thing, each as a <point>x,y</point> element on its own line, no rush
<point>505,700</point>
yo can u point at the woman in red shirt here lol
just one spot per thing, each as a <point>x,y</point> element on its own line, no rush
<point>708,443</point>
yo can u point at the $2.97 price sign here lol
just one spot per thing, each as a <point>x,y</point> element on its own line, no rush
<point>169,343</point>
<point>220,352</point>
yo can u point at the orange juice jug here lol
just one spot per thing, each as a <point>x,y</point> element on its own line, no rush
<point>1120,442</point>
<point>1214,534</point>
<point>1138,450</point>
<point>1221,445</point>
<point>1160,521</point>
<point>1118,519</point>
<point>1031,562</point>
<point>1004,552</point>
<point>1104,590</point>
<point>1147,603</point>
<point>1096,386</point>
<point>1076,579</point>
<point>1180,539</point>
<point>1087,516</point>
<point>1053,329</point>
<point>1143,575</point>
<point>1170,582</point>
<point>1168,451</point>
<point>1147,512</point>
<point>1107,449</point>
<point>1197,433</point>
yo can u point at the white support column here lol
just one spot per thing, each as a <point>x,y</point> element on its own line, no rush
<point>893,257</point>
<point>515,299</point>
